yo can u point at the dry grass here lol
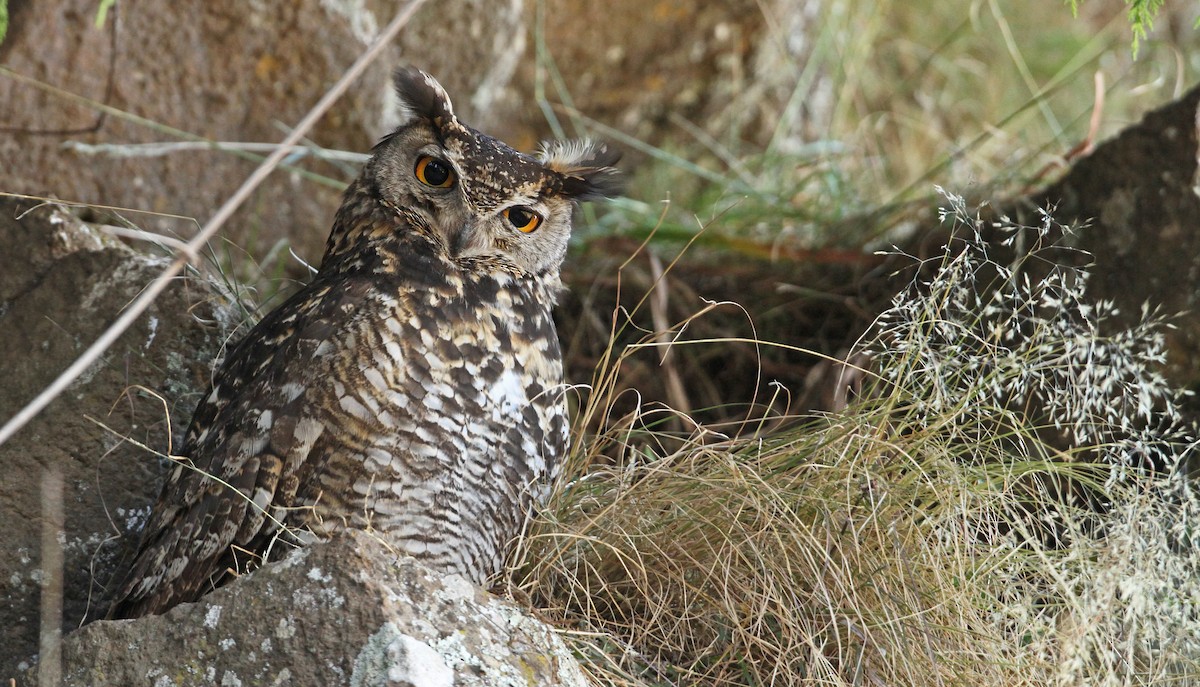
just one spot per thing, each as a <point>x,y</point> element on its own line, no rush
<point>834,557</point>
<point>895,542</point>
<point>932,533</point>
<point>882,100</point>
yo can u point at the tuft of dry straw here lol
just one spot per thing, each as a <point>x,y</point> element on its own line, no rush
<point>931,533</point>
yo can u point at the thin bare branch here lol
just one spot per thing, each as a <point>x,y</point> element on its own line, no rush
<point>171,147</point>
<point>182,248</point>
<point>51,610</point>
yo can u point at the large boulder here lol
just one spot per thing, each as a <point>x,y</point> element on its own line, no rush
<point>226,71</point>
<point>1135,199</point>
<point>61,283</point>
<point>346,612</point>
<point>650,69</point>
<point>244,72</point>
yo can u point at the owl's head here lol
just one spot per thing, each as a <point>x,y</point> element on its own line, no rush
<point>481,202</point>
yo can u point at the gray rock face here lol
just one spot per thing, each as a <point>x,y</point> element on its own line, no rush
<point>61,284</point>
<point>1137,194</point>
<point>232,72</point>
<point>345,612</point>
<point>243,72</point>
<point>723,65</point>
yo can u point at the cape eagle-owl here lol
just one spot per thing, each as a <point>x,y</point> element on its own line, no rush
<point>414,387</point>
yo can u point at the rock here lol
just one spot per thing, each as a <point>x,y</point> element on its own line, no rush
<point>1136,194</point>
<point>61,283</point>
<point>342,613</point>
<point>233,72</point>
<point>345,612</point>
<point>629,64</point>
<point>729,67</point>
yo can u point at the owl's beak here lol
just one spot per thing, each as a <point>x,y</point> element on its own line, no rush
<point>465,240</point>
<point>461,239</point>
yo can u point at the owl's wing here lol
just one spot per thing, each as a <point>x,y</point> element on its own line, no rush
<point>251,437</point>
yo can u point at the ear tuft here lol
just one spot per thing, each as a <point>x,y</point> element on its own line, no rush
<point>421,97</point>
<point>587,167</point>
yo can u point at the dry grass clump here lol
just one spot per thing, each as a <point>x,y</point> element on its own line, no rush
<point>978,517</point>
<point>1130,610</point>
<point>846,554</point>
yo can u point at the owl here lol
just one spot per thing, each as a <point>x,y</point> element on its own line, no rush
<point>414,388</point>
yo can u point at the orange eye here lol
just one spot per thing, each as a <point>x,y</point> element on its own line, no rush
<point>523,219</point>
<point>434,172</point>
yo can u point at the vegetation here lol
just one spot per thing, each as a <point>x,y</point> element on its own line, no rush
<point>988,98</point>
<point>991,510</point>
<point>999,503</point>
<point>1141,17</point>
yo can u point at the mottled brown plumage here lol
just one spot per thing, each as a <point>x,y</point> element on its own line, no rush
<point>414,387</point>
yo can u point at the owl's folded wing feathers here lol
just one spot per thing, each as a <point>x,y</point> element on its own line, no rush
<point>253,435</point>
